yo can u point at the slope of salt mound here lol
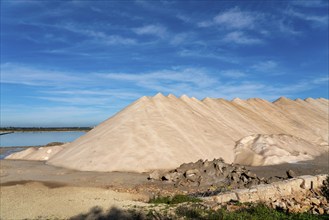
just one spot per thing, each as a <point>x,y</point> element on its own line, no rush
<point>319,104</point>
<point>310,119</point>
<point>33,153</point>
<point>156,133</point>
<point>263,149</point>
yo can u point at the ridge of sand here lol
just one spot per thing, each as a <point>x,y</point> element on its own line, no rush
<point>162,132</point>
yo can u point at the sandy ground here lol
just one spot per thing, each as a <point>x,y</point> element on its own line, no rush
<point>32,189</point>
<point>35,200</point>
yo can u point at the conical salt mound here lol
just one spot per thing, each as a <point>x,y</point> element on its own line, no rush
<point>162,132</point>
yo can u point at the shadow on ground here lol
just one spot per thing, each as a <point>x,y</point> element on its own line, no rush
<point>97,213</point>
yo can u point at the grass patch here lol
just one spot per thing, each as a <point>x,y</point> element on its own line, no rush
<point>254,212</point>
<point>198,211</point>
<point>174,200</point>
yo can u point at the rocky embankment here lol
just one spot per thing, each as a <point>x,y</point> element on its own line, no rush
<point>300,194</point>
<point>227,184</point>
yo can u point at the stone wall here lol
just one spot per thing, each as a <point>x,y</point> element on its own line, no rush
<point>269,192</point>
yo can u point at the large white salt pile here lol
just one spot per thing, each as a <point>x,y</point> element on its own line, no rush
<point>163,132</point>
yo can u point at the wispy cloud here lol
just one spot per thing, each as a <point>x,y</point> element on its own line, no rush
<point>11,115</point>
<point>238,37</point>
<point>310,4</point>
<point>98,35</point>
<point>316,20</point>
<point>179,38</point>
<point>286,28</point>
<point>235,74</point>
<point>201,83</point>
<point>198,82</point>
<point>20,74</point>
<point>208,55</point>
<point>321,80</point>
<point>83,96</point>
<point>157,30</point>
<point>265,66</point>
<point>74,101</point>
<point>183,18</point>
<point>233,18</point>
<point>187,75</point>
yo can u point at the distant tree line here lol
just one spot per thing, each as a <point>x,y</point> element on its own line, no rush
<point>7,129</point>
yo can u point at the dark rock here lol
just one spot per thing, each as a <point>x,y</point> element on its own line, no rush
<point>154,175</point>
<point>291,174</point>
<point>249,174</point>
<point>193,172</point>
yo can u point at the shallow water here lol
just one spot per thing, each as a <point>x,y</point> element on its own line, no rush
<point>38,138</point>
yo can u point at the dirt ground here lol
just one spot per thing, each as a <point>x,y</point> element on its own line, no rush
<point>319,165</point>
<point>32,189</point>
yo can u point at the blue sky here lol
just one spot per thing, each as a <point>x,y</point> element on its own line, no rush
<point>76,63</point>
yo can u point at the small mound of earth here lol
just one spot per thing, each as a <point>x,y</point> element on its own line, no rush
<point>264,149</point>
<point>215,174</point>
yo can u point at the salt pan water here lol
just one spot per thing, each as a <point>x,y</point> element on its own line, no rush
<point>38,138</point>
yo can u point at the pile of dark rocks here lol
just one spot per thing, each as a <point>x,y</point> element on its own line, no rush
<point>215,173</point>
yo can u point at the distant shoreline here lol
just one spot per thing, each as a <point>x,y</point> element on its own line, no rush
<point>45,129</point>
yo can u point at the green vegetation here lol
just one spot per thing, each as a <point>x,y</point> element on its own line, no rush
<point>325,188</point>
<point>174,200</point>
<point>253,212</point>
<point>198,211</point>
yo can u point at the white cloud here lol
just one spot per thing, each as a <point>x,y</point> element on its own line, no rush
<point>265,66</point>
<point>157,30</point>
<point>235,18</point>
<point>239,37</point>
